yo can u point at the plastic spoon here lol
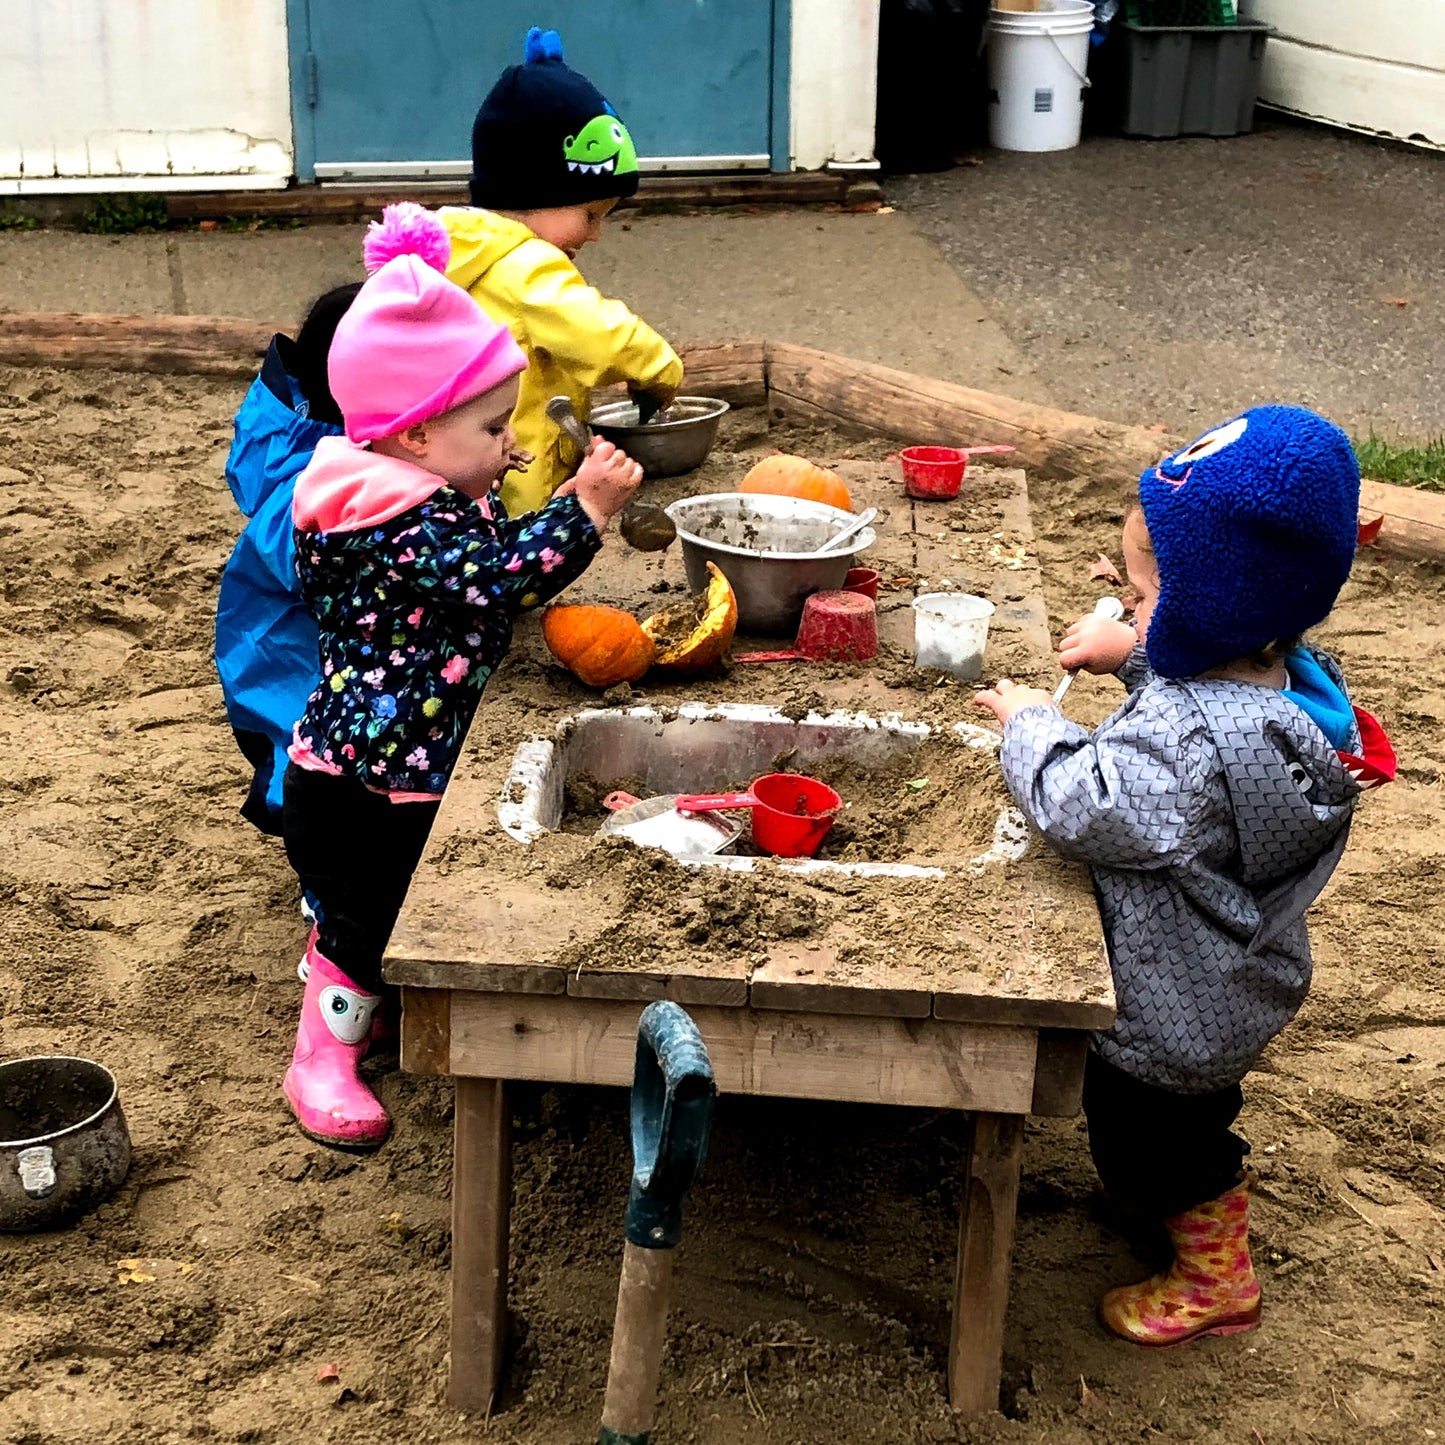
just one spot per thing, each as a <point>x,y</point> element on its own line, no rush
<point>1108,607</point>
<point>848,532</point>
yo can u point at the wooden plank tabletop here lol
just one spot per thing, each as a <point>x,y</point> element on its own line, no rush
<point>486,914</point>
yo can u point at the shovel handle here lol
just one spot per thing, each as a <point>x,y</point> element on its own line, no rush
<point>616,802</point>
<point>987,451</point>
<point>786,655</point>
<point>714,802</point>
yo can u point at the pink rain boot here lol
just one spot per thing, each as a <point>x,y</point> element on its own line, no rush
<point>327,1095</point>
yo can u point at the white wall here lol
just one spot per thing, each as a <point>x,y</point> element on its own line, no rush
<point>1376,66</point>
<point>110,95</point>
<point>833,88</point>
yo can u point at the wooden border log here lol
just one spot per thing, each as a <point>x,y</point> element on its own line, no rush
<point>736,371</point>
<point>796,382</point>
<point>1414,523</point>
<point>817,386</point>
<point>204,345</point>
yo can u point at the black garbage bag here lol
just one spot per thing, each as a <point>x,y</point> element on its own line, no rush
<point>932,82</point>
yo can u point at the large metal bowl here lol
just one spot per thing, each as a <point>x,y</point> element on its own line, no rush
<point>662,448</point>
<point>762,545</point>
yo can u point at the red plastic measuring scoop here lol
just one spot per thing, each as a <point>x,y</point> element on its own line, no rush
<point>791,813</point>
<point>935,474</point>
<point>836,627</point>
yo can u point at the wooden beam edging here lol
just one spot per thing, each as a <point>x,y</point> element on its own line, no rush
<point>796,382</point>
<point>819,386</point>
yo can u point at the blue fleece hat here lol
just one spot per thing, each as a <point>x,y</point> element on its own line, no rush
<point>545,137</point>
<point>1254,529</point>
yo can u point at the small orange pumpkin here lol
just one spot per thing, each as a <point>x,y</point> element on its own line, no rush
<point>790,476</point>
<point>600,646</point>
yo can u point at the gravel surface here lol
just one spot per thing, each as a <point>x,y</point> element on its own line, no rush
<point>1175,281</point>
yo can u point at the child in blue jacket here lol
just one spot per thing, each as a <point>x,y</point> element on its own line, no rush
<point>266,650</point>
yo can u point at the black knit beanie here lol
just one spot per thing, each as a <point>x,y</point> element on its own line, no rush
<point>545,137</point>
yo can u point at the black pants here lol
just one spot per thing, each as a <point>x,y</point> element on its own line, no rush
<point>354,852</point>
<point>1158,1152</point>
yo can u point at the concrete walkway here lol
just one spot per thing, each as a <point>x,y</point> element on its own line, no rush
<point>1169,281</point>
<point>1179,281</point>
<point>868,286</point>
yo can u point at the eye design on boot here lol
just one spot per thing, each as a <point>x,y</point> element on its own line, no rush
<point>1300,774</point>
<point>347,1014</point>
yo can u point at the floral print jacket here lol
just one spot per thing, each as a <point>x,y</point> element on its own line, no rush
<point>413,586</point>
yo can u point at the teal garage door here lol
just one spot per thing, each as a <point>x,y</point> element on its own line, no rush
<point>388,88</point>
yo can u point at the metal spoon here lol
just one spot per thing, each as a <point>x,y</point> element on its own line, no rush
<point>1109,607</point>
<point>850,531</point>
<point>644,525</point>
<point>561,411</point>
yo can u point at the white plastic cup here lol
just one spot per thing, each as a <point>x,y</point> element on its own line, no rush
<point>1037,74</point>
<point>950,630</point>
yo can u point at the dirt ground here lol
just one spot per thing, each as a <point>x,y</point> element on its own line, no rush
<point>144,924</point>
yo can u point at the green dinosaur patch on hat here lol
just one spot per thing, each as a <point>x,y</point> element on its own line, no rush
<point>601,147</point>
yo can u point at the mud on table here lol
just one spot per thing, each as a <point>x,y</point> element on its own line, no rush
<point>967,986</point>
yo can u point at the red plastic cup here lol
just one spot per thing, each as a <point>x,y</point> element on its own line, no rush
<point>836,627</point>
<point>791,814</point>
<point>863,581</point>
<point>933,474</point>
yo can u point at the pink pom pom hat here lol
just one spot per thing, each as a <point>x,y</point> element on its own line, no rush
<point>413,344</point>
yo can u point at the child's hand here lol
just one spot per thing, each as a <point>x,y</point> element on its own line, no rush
<point>517,461</point>
<point>604,483</point>
<point>1096,644</point>
<point>650,400</point>
<point>1009,698</point>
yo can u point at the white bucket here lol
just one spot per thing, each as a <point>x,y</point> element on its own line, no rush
<point>950,630</point>
<point>1037,74</point>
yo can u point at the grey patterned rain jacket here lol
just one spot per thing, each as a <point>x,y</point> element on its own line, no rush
<point>1212,814</point>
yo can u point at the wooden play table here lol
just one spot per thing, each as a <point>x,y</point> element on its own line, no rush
<point>488,1002</point>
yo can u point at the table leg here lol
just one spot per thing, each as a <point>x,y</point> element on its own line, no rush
<point>481,1216</point>
<point>985,1248</point>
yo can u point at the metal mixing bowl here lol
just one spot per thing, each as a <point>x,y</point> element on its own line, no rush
<point>662,448</point>
<point>761,544</point>
<point>64,1146</point>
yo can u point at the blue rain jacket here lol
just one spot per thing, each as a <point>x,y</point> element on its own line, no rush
<point>266,641</point>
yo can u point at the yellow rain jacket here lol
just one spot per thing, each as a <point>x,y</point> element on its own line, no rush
<point>575,338</point>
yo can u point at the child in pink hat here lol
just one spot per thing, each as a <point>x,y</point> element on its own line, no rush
<point>413,571</point>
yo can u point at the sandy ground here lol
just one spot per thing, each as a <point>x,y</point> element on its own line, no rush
<point>143,923</point>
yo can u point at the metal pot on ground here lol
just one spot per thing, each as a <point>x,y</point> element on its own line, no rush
<point>64,1145</point>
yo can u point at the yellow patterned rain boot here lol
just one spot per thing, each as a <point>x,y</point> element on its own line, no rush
<point>1210,1289</point>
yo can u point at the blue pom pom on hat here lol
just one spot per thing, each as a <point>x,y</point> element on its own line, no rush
<point>1254,527</point>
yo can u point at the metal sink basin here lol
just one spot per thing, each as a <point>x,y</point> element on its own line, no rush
<point>697,747</point>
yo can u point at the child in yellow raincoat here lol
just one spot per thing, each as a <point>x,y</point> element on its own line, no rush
<point>550,159</point>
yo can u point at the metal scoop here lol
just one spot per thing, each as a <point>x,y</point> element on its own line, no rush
<point>644,525</point>
<point>850,531</point>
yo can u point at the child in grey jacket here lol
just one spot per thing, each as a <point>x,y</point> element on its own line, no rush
<point>1212,809</point>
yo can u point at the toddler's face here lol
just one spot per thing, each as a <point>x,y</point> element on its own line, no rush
<point>569,228</point>
<point>471,445</point>
<point>1142,570</point>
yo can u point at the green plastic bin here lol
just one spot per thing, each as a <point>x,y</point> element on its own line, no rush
<point>1191,79</point>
